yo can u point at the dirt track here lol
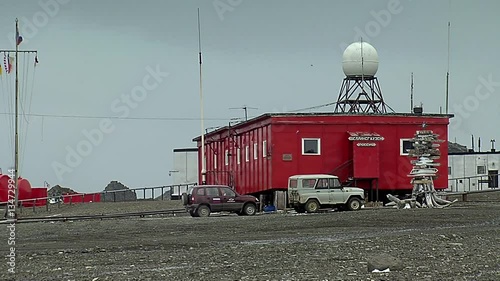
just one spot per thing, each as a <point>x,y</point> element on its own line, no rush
<point>457,243</point>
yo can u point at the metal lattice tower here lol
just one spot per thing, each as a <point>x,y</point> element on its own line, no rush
<point>360,95</point>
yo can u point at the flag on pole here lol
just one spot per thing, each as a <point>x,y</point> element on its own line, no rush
<point>10,60</point>
<point>5,64</point>
<point>19,38</point>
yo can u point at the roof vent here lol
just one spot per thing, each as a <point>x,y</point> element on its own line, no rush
<point>418,110</point>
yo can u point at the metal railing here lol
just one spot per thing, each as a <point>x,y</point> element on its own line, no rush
<point>472,183</point>
<point>166,192</point>
<point>148,193</point>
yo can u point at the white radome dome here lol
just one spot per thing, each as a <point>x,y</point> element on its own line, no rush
<point>351,60</point>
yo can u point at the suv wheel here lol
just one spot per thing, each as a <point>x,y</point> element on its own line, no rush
<point>299,210</point>
<point>193,213</point>
<point>312,206</point>
<point>184,199</point>
<point>203,211</point>
<point>354,204</point>
<point>249,209</point>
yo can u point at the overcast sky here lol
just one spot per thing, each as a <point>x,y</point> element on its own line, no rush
<point>274,55</point>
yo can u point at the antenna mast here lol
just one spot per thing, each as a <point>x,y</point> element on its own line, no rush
<point>411,94</point>
<point>245,108</point>
<point>16,140</point>
<point>362,66</point>
<point>448,66</point>
<point>203,171</point>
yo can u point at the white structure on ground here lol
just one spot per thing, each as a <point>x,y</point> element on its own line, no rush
<point>185,169</point>
<point>469,171</point>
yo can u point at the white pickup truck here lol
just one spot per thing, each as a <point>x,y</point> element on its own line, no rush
<point>309,193</point>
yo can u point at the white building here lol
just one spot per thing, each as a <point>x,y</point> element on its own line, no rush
<point>185,170</point>
<point>469,171</point>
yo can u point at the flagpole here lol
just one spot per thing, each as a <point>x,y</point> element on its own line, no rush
<point>16,156</point>
<point>203,168</point>
<point>18,40</point>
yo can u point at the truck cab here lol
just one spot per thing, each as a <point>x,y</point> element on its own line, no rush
<point>309,193</point>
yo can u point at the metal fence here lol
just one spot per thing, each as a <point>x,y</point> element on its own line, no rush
<point>166,192</point>
<point>473,183</point>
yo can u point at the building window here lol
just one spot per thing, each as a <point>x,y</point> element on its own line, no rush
<point>255,151</point>
<point>226,159</point>
<point>405,146</point>
<point>238,156</point>
<point>215,161</point>
<point>481,170</point>
<point>449,170</point>
<point>247,153</point>
<point>264,149</point>
<point>311,146</point>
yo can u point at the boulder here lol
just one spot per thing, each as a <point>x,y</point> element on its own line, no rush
<point>384,261</point>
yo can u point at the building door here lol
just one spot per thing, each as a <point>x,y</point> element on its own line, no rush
<point>493,178</point>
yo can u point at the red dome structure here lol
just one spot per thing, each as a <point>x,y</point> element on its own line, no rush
<point>24,188</point>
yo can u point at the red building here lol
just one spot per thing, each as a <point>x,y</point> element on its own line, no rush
<point>366,150</point>
<point>361,142</point>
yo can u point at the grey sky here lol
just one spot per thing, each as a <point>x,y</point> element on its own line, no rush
<point>259,53</point>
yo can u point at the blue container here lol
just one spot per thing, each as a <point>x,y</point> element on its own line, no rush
<point>269,208</point>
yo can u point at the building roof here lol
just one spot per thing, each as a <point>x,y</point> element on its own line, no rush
<point>458,149</point>
<point>190,149</point>
<point>474,153</point>
<point>454,147</point>
<point>292,114</point>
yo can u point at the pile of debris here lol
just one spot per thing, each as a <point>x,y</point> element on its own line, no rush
<point>117,192</point>
<point>426,150</point>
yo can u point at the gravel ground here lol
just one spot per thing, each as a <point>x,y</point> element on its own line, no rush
<point>461,242</point>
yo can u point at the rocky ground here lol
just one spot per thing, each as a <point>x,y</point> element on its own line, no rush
<point>461,242</point>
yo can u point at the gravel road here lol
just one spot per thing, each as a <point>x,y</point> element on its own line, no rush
<point>461,242</point>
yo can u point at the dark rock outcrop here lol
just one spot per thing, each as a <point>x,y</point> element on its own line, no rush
<point>117,192</point>
<point>58,190</point>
